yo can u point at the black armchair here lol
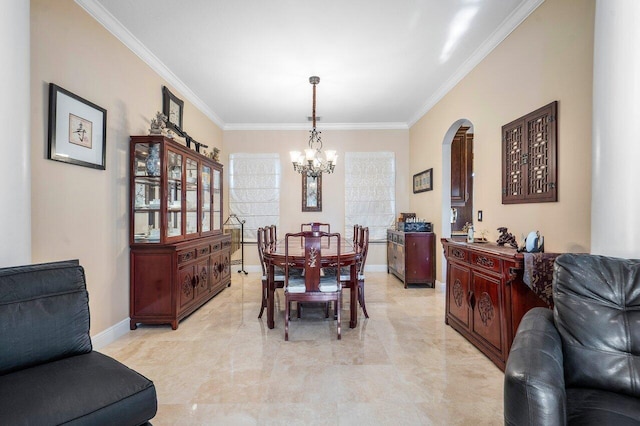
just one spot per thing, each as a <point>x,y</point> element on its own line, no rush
<point>580,363</point>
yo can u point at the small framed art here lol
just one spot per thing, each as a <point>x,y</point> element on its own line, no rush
<point>423,181</point>
<point>77,129</point>
<point>173,108</point>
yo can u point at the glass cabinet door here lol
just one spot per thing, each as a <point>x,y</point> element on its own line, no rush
<point>206,198</point>
<point>174,194</point>
<point>146,193</point>
<point>191,196</point>
<point>217,200</point>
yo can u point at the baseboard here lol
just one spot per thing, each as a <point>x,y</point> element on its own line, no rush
<point>110,335</point>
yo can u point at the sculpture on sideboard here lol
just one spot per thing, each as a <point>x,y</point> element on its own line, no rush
<point>506,238</point>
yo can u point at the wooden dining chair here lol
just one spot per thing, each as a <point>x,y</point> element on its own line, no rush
<point>315,226</point>
<point>356,234</point>
<point>311,287</point>
<point>362,248</point>
<point>278,279</point>
<point>273,235</point>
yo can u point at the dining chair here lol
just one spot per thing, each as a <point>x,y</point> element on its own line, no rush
<point>315,226</point>
<point>273,235</point>
<point>278,279</point>
<point>311,287</point>
<point>356,234</point>
<point>362,248</point>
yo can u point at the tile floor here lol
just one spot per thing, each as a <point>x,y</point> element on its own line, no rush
<point>402,366</point>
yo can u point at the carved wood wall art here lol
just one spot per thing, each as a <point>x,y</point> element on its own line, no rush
<point>529,157</point>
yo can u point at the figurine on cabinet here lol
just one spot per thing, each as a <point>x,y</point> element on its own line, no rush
<point>215,155</point>
<point>158,123</point>
<point>532,243</point>
<point>506,238</point>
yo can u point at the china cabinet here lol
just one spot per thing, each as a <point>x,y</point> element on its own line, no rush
<point>179,256</point>
<point>485,297</point>
<point>411,256</point>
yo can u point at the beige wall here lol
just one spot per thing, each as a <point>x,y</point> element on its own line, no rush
<point>291,214</point>
<point>548,57</point>
<point>82,213</point>
<point>79,212</point>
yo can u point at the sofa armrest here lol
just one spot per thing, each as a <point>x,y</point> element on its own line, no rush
<point>534,388</point>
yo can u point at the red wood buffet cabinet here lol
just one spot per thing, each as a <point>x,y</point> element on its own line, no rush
<point>179,257</point>
<point>486,298</point>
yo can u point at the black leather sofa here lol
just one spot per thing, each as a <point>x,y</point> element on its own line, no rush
<point>580,363</point>
<point>49,373</point>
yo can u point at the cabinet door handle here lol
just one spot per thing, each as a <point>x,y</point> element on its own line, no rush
<point>472,300</point>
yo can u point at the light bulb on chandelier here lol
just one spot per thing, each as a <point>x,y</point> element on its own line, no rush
<point>314,162</point>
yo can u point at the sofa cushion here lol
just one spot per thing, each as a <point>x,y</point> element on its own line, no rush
<point>597,313</point>
<point>89,389</point>
<point>597,407</point>
<point>44,314</point>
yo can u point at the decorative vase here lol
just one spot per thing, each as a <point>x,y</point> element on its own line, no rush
<point>153,160</point>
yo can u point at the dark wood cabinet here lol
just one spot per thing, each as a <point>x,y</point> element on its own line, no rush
<point>485,295</point>
<point>179,257</point>
<point>411,257</point>
<point>462,177</point>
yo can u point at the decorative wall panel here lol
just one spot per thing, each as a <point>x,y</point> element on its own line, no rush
<point>529,160</point>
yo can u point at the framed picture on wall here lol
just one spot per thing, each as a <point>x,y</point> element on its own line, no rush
<point>311,193</point>
<point>173,108</point>
<point>77,129</point>
<point>423,181</point>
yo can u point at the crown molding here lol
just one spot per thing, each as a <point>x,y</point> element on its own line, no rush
<point>108,21</point>
<point>324,126</point>
<point>497,37</point>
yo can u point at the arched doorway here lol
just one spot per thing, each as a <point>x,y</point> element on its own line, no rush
<point>457,130</point>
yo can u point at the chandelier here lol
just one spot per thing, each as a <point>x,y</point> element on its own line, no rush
<point>314,162</point>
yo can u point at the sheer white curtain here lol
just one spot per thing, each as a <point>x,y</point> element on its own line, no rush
<point>370,192</point>
<point>254,190</point>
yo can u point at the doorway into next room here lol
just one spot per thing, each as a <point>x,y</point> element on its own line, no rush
<point>462,179</point>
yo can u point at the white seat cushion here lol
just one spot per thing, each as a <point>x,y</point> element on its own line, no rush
<point>345,277</point>
<point>275,278</point>
<point>296,285</point>
<point>329,286</point>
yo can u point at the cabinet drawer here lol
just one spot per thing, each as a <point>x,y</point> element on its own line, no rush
<point>486,262</point>
<point>186,255</point>
<point>217,246</point>
<point>203,251</point>
<point>458,254</point>
<point>226,244</point>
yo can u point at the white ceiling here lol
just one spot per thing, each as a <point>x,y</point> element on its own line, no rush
<point>246,63</point>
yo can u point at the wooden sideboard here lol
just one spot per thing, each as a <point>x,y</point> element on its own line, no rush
<point>485,295</point>
<point>171,281</point>
<point>411,256</point>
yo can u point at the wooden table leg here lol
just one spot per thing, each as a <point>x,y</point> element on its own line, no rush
<point>270,296</point>
<point>353,323</point>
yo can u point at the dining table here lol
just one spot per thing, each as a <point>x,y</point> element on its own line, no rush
<point>274,256</point>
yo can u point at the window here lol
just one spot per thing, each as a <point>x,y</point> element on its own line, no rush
<point>370,192</point>
<point>254,190</point>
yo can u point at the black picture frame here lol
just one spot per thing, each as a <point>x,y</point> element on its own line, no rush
<point>423,181</point>
<point>77,130</point>
<point>173,109</point>
<point>311,193</point>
